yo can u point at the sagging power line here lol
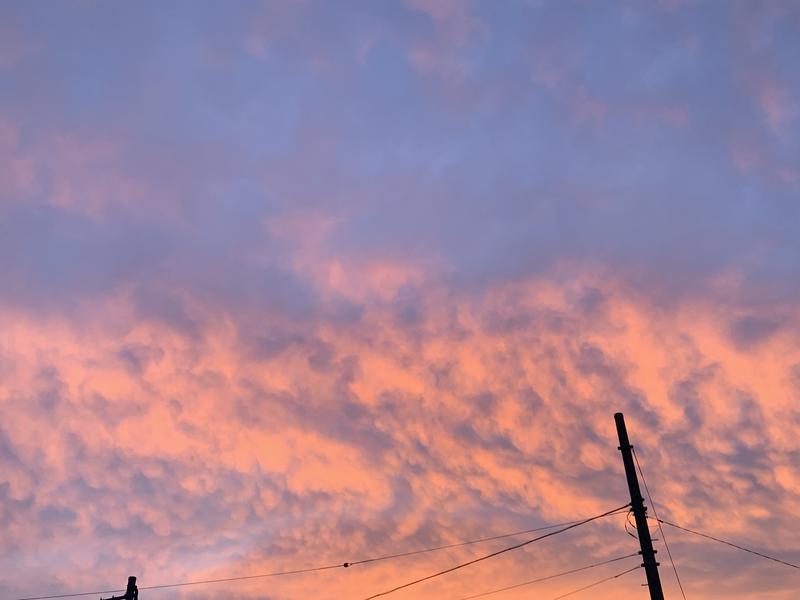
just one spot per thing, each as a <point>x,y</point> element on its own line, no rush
<point>464,543</point>
<point>497,553</point>
<point>598,582</point>
<point>326,567</point>
<point>549,577</point>
<point>727,543</point>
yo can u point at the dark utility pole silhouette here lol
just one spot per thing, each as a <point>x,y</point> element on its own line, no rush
<point>639,512</point>
<point>131,592</point>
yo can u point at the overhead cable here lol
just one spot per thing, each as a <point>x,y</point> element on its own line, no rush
<point>185,583</point>
<point>464,543</point>
<point>727,543</point>
<point>661,529</point>
<point>313,569</point>
<point>548,577</point>
<point>598,582</point>
<point>497,553</point>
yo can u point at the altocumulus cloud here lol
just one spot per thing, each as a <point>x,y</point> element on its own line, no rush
<point>294,285</point>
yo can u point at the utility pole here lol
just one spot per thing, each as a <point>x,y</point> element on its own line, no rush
<point>639,512</point>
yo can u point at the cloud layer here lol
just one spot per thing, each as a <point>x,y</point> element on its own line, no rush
<point>288,285</point>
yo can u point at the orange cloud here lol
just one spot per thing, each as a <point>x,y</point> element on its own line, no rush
<point>482,415</point>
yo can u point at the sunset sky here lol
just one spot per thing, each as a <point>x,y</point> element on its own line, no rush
<point>291,283</point>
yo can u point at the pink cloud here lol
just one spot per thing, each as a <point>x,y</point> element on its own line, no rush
<point>300,345</point>
<point>484,414</point>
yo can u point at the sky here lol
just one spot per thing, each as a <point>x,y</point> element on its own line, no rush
<point>292,283</point>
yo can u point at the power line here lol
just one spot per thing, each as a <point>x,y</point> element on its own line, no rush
<point>598,582</point>
<point>313,569</point>
<point>466,543</point>
<point>727,543</point>
<point>497,553</point>
<point>72,595</point>
<point>185,583</point>
<point>661,529</point>
<point>548,577</point>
